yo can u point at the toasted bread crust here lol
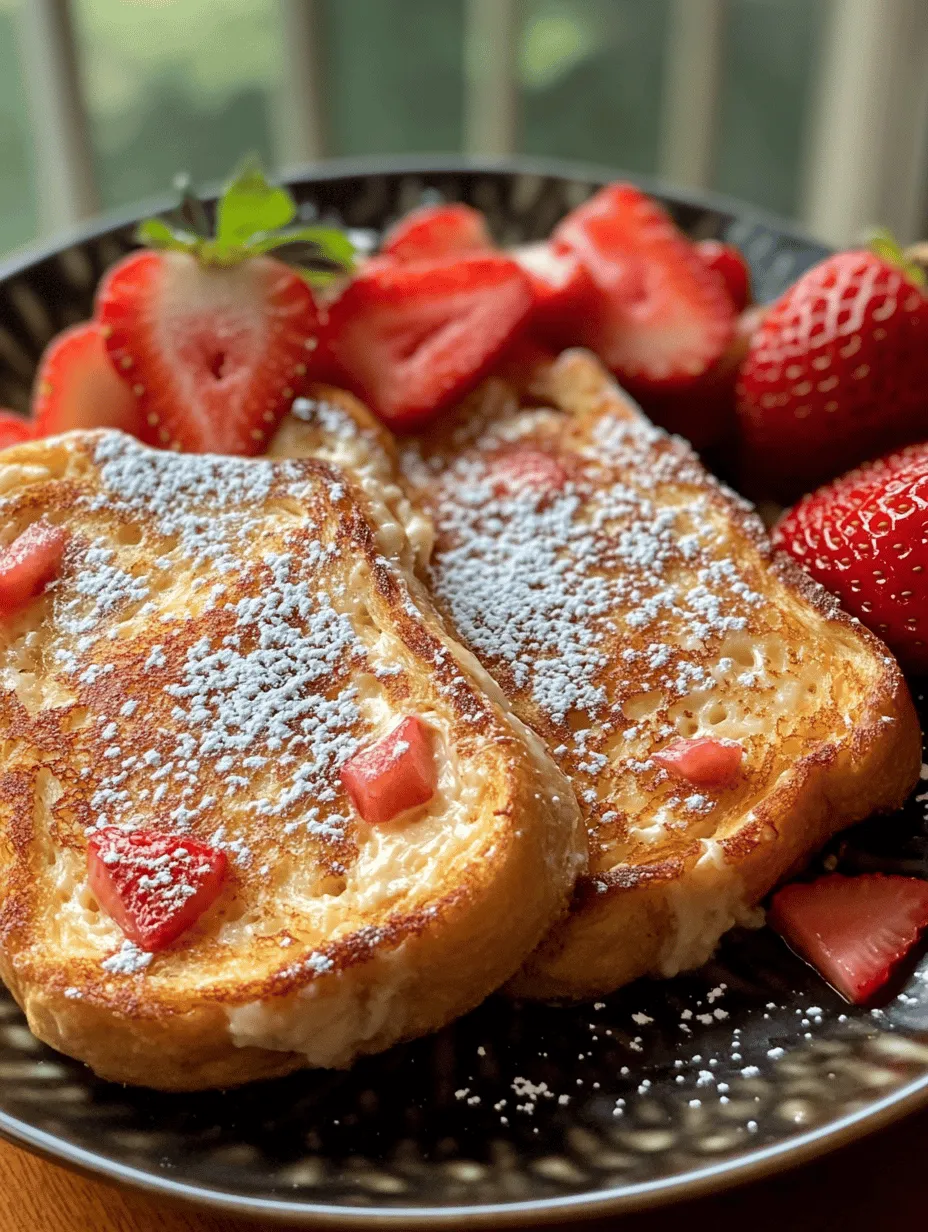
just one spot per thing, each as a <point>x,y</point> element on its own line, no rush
<point>258,987</point>
<point>659,896</point>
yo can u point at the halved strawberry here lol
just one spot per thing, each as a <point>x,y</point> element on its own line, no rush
<point>436,231</point>
<point>215,355</point>
<point>213,335</point>
<point>29,564</point>
<point>729,262</point>
<point>76,386</point>
<point>14,429</point>
<point>704,762</point>
<point>662,317</point>
<point>409,339</point>
<point>853,930</point>
<point>155,886</point>
<point>563,288</point>
<point>396,773</point>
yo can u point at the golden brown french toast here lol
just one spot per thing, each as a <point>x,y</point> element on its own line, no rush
<point>624,600</point>
<point>225,637</point>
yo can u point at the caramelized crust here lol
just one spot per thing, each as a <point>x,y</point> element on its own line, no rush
<point>224,634</point>
<point>637,603</point>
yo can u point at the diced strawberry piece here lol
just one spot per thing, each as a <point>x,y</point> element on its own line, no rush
<point>729,262</point>
<point>410,339</point>
<point>704,762</point>
<point>662,317</point>
<point>214,354</point>
<point>524,467</point>
<point>396,773</point>
<point>853,930</point>
<point>77,387</point>
<point>14,429</point>
<point>155,886</point>
<point>436,231</point>
<point>29,564</point>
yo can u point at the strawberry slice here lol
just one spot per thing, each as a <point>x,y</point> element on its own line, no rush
<point>436,231</point>
<point>728,261</point>
<point>213,335</point>
<point>524,467</point>
<point>853,930</point>
<point>14,429</point>
<point>409,339</point>
<point>76,386</point>
<point>663,318</point>
<point>396,773</point>
<point>155,886</point>
<point>29,564</point>
<point>704,762</point>
<point>563,289</point>
<point>215,355</point>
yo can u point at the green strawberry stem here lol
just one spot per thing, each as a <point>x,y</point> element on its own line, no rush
<point>253,217</point>
<point>884,244</point>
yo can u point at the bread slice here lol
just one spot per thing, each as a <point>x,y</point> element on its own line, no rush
<point>223,635</point>
<point>638,603</point>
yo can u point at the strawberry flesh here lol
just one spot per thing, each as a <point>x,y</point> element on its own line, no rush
<point>662,318</point>
<point>436,231</point>
<point>563,290</point>
<point>14,429</point>
<point>729,263</point>
<point>526,468</point>
<point>214,354</point>
<point>396,773</point>
<point>836,373</point>
<point>154,886</point>
<point>865,538</point>
<point>703,762</point>
<point>853,930</point>
<point>31,561</point>
<point>77,386</point>
<point>410,339</point>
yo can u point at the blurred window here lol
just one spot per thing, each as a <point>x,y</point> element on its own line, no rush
<point>393,74</point>
<point>17,194</point>
<point>175,85</point>
<point>590,74</point>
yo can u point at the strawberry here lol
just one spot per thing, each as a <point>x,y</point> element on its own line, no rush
<point>396,773</point>
<point>563,289</point>
<point>436,231</point>
<point>76,386</point>
<point>853,930</point>
<point>30,562</point>
<point>155,886</point>
<point>523,468</point>
<point>14,429</point>
<point>409,339</point>
<point>836,373</point>
<point>704,762</point>
<point>662,318</point>
<point>865,538</point>
<point>214,336</point>
<point>729,263</point>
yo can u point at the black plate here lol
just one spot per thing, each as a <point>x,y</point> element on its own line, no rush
<point>513,1114</point>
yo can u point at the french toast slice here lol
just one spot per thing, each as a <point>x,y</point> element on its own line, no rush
<point>623,599</point>
<point>224,634</point>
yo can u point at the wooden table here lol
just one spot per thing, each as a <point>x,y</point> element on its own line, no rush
<point>881,1182</point>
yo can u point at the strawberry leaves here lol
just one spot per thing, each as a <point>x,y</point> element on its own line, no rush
<point>253,218</point>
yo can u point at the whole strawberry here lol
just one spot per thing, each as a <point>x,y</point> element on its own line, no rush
<point>837,372</point>
<point>214,335</point>
<point>865,538</point>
